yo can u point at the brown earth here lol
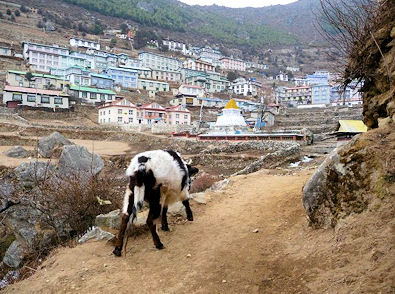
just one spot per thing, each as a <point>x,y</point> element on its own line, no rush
<point>285,256</point>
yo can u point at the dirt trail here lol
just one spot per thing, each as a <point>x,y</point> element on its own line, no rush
<point>285,256</point>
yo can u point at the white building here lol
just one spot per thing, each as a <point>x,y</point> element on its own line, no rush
<point>176,46</point>
<point>192,90</point>
<point>244,87</point>
<point>160,62</point>
<point>76,42</point>
<point>282,77</point>
<point>152,85</point>
<point>21,96</point>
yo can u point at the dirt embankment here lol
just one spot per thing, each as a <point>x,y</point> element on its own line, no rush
<point>284,256</point>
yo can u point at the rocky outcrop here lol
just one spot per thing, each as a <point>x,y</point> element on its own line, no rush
<point>28,173</point>
<point>48,146</point>
<point>272,160</point>
<point>351,177</point>
<point>77,160</point>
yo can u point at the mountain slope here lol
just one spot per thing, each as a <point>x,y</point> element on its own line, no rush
<point>243,27</point>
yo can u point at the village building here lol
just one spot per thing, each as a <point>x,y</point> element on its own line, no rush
<point>294,95</point>
<point>231,118</point>
<point>92,95</point>
<point>346,129</point>
<point>6,51</point>
<point>212,82</point>
<point>143,72</point>
<point>244,87</point>
<point>282,77</point>
<point>22,96</point>
<point>101,81</point>
<point>318,78</point>
<point>320,94</point>
<point>153,85</point>
<point>210,55</point>
<point>37,80</point>
<point>166,75</point>
<point>175,46</point>
<point>123,112</point>
<point>229,63</point>
<point>42,57</point>
<point>199,65</point>
<point>76,42</point>
<point>159,62</point>
<point>124,77</point>
<point>127,61</point>
<point>193,90</point>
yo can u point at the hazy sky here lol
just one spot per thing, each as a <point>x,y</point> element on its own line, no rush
<point>238,3</point>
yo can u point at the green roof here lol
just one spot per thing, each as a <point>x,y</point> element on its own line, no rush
<point>93,90</point>
<point>36,74</point>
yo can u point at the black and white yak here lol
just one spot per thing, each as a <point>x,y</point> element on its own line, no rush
<point>159,177</point>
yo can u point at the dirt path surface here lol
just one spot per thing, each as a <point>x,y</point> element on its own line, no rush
<point>226,256</point>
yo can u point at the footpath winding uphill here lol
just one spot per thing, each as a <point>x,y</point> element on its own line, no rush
<point>217,253</point>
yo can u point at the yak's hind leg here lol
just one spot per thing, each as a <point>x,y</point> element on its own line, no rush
<point>154,216</point>
<point>165,225</point>
<point>188,209</point>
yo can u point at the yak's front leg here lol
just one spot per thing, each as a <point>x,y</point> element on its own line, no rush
<point>165,225</point>
<point>188,209</point>
<point>154,216</point>
<point>127,209</point>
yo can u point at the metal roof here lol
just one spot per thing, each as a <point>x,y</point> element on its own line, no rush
<point>351,126</point>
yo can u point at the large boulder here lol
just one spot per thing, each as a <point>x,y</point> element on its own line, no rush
<point>77,160</point>
<point>48,145</point>
<point>29,173</point>
<point>17,152</point>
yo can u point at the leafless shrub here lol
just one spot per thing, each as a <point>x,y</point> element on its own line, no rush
<point>348,25</point>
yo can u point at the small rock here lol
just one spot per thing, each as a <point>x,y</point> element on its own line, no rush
<point>96,233</point>
<point>199,197</point>
<point>255,231</point>
<point>47,145</point>
<point>189,255</point>
<point>223,281</point>
<point>105,265</point>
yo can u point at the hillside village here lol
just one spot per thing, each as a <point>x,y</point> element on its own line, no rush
<point>57,77</point>
<point>282,146</point>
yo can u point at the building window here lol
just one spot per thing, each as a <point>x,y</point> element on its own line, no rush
<point>130,111</point>
<point>185,116</point>
<point>102,97</point>
<point>119,119</point>
<point>119,111</point>
<point>44,99</point>
<point>16,97</point>
<point>93,95</point>
<point>130,119</point>
<point>84,94</point>
<point>31,98</point>
<point>58,100</point>
<point>177,115</point>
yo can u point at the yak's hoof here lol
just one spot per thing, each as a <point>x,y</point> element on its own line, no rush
<point>190,218</point>
<point>165,228</point>
<point>160,246</point>
<point>117,251</point>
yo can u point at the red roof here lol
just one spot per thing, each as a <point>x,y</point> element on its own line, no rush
<point>34,91</point>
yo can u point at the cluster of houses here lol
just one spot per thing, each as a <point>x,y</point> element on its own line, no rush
<point>319,89</point>
<point>59,77</point>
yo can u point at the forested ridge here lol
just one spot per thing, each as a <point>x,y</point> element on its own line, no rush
<point>176,16</point>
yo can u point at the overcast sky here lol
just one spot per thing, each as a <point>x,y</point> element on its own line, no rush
<point>238,3</point>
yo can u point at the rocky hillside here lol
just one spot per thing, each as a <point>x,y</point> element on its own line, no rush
<point>360,175</point>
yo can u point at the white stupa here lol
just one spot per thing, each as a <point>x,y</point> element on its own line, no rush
<point>231,118</point>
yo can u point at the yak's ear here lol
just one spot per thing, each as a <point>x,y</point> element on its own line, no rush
<point>192,170</point>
